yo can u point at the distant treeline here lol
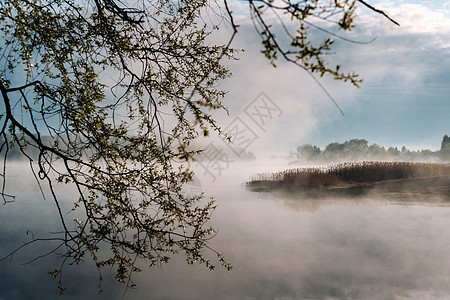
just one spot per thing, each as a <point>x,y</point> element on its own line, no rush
<point>10,148</point>
<point>359,150</point>
<point>13,149</point>
<point>213,152</point>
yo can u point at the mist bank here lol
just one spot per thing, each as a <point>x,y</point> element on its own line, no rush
<point>360,150</point>
<point>278,247</point>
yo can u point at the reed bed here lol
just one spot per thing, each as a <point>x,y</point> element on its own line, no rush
<point>347,173</point>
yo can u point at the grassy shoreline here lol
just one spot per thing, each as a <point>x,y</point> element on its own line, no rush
<point>400,179</point>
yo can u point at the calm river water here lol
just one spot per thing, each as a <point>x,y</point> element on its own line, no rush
<point>280,249</point>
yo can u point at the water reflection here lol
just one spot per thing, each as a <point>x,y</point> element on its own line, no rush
<point>313,205</point>
<point>346,249</point>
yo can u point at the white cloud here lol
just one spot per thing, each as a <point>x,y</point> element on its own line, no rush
<point>401,60</point>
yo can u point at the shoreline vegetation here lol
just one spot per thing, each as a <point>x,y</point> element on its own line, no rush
<point>401,180</point>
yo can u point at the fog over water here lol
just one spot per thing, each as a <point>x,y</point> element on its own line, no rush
<point>279,248</point>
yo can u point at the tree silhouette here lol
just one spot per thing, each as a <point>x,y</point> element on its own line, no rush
<point>445,148</point>
<point>445,141</point>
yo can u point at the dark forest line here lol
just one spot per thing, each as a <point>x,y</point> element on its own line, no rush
<point>360,149</point>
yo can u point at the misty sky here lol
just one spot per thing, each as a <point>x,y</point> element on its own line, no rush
<point>404,99</point>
